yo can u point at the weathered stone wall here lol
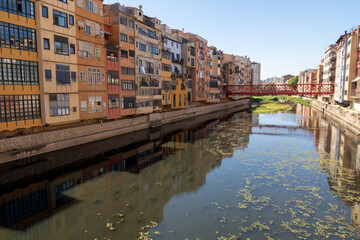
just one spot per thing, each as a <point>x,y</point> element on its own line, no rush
<point>23,146</point>
<point>350,118</point>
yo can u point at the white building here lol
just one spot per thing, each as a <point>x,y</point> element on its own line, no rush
<point>340,69</point>
<point>256,72</point>
<point>174,47</point>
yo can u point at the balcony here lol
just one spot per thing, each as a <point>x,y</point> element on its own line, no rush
<point>177,60</point>
<point>144,70</point>
<point>148,92</point>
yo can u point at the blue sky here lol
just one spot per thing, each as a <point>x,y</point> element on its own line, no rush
<point>285,36</point>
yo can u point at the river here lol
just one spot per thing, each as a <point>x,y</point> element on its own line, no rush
<point>267,176</point>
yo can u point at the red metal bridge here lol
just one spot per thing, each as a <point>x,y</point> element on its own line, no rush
<point>280,89</point>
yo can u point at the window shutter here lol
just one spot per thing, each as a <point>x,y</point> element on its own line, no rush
<point>95,8</point>
<point>80,3</point>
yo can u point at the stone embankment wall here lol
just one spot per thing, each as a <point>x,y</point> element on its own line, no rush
<point>59,139</point>
<point>347,117</point>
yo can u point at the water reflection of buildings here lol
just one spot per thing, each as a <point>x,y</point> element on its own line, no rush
<point>70,187</point>
<point>339,152</point>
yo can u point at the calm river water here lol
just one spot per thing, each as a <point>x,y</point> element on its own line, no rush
<point>268,176</point>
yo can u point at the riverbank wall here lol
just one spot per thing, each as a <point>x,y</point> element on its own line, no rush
<point>349,118</point>
<point>29,145</point>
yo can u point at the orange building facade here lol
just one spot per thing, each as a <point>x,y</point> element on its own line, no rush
<point>91,54</point>
<point>19,67</point>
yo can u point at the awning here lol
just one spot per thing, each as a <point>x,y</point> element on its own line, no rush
<point>356,79</point>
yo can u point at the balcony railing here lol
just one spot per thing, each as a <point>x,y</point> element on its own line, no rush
<point>148,92</point>
<point>146,70</point>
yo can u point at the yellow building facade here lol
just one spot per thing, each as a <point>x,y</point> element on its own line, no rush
<point>20,86</point>
<point>58,61</point>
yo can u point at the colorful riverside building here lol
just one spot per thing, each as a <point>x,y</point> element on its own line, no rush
<point>20,87</point>
<point>147,60</point>
<point>112,75</point>
<point>122,36</point>
<point>58,61</point>
<point>218,70</point>
<point>198,76</point>
<point>91,59</point>
<point>176,89</point>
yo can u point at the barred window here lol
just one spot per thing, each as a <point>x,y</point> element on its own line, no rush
<point>59,105</point>
<point>19,107</point>
<point>17,37</point>
<point>18,72</point>
<point>23,8</point>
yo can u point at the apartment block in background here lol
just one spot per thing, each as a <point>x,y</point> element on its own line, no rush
<point>122,36</point>
<point>19,66</point>
<point>341,47</point>
<point>58,61</point>
<point>329,64</point>
<point>217,71</point>
<point>178,86</point>
<point>198,74</point>
<point>256,72</point>
<point>91,59</point>
<point>188,56</point>
<point>286,78</point>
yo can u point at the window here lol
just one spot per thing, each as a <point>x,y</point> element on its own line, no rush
<point>131,53</point>
<point>155,49</point>
<point>73,76</point>
<point>64,1</point>
<point>62,74</point>
<point>88,30</point>
<point>59,105</point>
<point>23,8</point>
<point>61,45</point>
<point>131,40</point>
<point>71,20</point>
<point>17,37</point>
<point>166,67</point>
<point>97,52</point>
<point>72,48</point>
<point>48,75</point>
<point>46,43</point>
<point>123,37</point>
<point>179,100</point>
<point>45,12</point>
<point>131,23</point>
<point>94,76</point>
<point>152,34</point>
<point>82,76</point>
<point>91,6</point>
<point>127,71</point>
<point>127,85</point>
<point>18,72</point>
<point>19,107</point>
<point>174,100</point>
<point>86,49</point>
<point>114,101</point>
<point>60,19</point>
<point>142,47</point>
<point>113,77</point>
<point>123,21</point>
<point>124,54</point>
<point>127,102</point>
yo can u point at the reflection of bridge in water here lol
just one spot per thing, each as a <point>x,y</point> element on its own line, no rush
<point>293,131</point>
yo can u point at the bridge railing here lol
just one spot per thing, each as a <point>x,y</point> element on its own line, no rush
<point>280,89</point>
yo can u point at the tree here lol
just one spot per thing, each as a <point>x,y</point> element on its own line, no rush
<point>293,81</point>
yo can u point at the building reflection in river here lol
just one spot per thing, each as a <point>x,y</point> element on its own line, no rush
<point>77,190</point>
<point>73,199</point>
